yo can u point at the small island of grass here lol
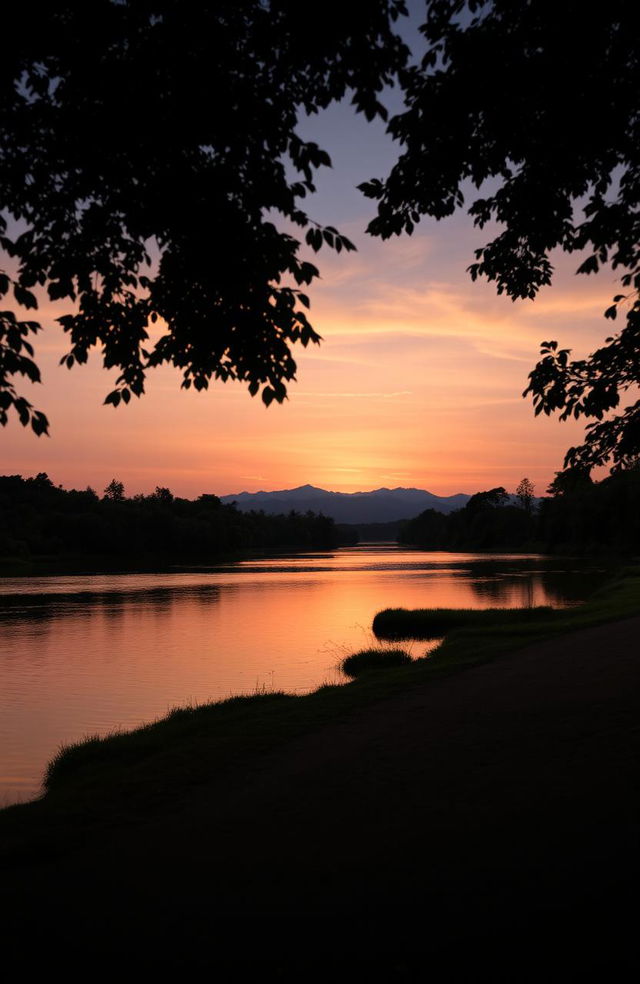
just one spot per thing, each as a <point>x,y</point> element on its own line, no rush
<point>432,623</point>
<point>373,659</point>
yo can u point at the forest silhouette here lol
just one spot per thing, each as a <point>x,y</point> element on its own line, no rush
<point>582,517</point>
<point>44,523</point>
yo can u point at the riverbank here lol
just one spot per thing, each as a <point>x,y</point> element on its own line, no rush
<point>396,818</point>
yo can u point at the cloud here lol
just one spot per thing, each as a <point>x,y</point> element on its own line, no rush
<point>357,396</point>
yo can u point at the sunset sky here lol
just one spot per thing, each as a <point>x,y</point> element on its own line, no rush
<point>417,383</point>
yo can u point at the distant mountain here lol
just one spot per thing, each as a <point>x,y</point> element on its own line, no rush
<point>379,506</point>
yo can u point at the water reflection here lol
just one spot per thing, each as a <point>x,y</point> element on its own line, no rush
<point>88,654</point>
<point>39,604</point>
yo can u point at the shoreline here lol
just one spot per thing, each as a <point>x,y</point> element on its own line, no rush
<point>488,800</point>
<point>478,640</point>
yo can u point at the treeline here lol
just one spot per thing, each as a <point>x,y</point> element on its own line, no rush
<point>41,520</point>
<point>579,516</point>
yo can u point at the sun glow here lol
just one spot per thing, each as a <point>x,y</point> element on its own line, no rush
<point>417,383</point>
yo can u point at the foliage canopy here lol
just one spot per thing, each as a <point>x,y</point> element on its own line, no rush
<point>536,105</point>
<point>146,144</point>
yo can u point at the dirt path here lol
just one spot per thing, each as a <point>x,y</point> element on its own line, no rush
<point>484,817</point>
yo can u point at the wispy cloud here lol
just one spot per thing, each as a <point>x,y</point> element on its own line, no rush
<point>356,396</point>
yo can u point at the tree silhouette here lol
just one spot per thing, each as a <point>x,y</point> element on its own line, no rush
<point>114,491</point>
<point>569,481</point>
<point>163,495</point>
<point>491,499</point>
<point>525,493</point>
<point>540,101</point>
<point>146,149</point>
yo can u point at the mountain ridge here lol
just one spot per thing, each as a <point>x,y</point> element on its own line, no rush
<point>375,506</point>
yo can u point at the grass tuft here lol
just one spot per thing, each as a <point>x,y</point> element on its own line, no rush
<point>374,659</point>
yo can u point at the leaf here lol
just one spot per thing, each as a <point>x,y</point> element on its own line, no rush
<point>60,288</point>
<point>590,265</point>
<point>371,189</point>
<point>22,408</point>
<point>39,424</point>
<point>307,272</point>
<point>24,296</point>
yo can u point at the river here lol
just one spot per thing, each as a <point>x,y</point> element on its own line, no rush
<point>87,654</point>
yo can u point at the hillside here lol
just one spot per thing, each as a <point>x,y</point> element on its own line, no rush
<point>378,506</point>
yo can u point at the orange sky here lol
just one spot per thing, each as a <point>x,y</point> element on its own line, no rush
<point>418,381</point>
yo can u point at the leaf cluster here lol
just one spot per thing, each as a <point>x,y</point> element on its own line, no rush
<point>528,113</point>
<point>591,388</point>
<point>144,147</point>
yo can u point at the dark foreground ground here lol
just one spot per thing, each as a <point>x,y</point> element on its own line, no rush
<point>481,827</point>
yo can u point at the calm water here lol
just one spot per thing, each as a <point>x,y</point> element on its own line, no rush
<point>86,654</point>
